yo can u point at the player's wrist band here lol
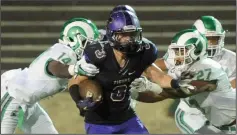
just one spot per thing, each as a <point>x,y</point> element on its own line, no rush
<point>174,84</point>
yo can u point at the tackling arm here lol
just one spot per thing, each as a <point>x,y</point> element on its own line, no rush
<point>161,64</point>
<point>168,84</point>
<point>58,69</point>
<point>151,96</point>
<point>73,87</point>
<point>81,67</point>
<point>155,74</point>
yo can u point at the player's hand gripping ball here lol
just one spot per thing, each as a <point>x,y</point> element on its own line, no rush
<point>91,94</point>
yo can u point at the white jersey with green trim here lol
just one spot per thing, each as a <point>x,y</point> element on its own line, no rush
<point>218,106</point>
<point>227,59</point>
<point>34,83</point>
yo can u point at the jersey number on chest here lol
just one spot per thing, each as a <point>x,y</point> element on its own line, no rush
<point>118,93</point>
<point>204,74</point>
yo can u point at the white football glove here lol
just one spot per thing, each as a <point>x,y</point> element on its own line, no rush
<point>185,78</point>
<point>187,88</point>
<point>143,84</point>
<point>83,68</point>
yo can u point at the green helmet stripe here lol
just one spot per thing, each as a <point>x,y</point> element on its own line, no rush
<point>77,30</point>
<point>92,25</point>
<point>199,47</point>
<point>182,37</point>
<point>209,23</point>
<point>191,41</point>
<point>191,37</point>
<point>177,36</point>
<point>79,21</point>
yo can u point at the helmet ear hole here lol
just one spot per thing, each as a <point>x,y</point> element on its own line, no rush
<point>197,51</point>
<point>70,39</point>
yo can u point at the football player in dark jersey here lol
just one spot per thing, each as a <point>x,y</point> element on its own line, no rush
<point>122,58</point>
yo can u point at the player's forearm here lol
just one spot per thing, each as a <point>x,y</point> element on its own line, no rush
<point>152,97</point>
<point>155,74</point>
<point>74,92</point>
<point>164,80</point>
<point>173,93</point>
<point>161,64</point>
<point>149,97</point>
<point>74,88</point>
<point>59,70</point>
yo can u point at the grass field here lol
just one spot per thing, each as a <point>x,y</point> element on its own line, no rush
<point>66,117</point>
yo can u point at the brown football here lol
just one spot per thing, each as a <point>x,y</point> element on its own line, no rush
<point>90,88</point>
<point>201,83</point>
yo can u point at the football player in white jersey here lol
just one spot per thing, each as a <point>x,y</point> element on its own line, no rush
<point>208,112</point>
<point>193,118</point>
<point>47,75</point>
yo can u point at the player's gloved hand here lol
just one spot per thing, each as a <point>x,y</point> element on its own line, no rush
<point>88,103</point>
<point>83,68</point>
<point>186,88</point>
<point>183,84</point>
<point>143,84</point>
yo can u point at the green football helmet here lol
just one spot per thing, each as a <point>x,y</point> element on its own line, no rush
<point>77,33</point>
<point>186,47</point>
<point>212,29</point>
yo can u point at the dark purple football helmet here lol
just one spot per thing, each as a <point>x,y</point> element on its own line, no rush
<point>124,22</point>
<point>123,8</point>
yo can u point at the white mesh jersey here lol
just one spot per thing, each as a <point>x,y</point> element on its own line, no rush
<point>227,59</point>
<point>34,83</point>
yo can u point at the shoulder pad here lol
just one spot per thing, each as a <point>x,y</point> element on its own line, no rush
<point>150,52</point>
<point>95,52</point>
<point>63,54</point>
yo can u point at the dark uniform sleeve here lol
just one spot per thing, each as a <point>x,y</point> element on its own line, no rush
<point>150,53</point>
<point>95,53</point>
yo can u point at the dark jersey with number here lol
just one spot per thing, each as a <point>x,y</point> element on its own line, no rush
<point>115,107</point>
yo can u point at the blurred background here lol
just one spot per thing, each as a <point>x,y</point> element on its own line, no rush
<point>28,27</point>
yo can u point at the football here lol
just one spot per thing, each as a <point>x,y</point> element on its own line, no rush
<point>90,88</point>
<point>199,84</point>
